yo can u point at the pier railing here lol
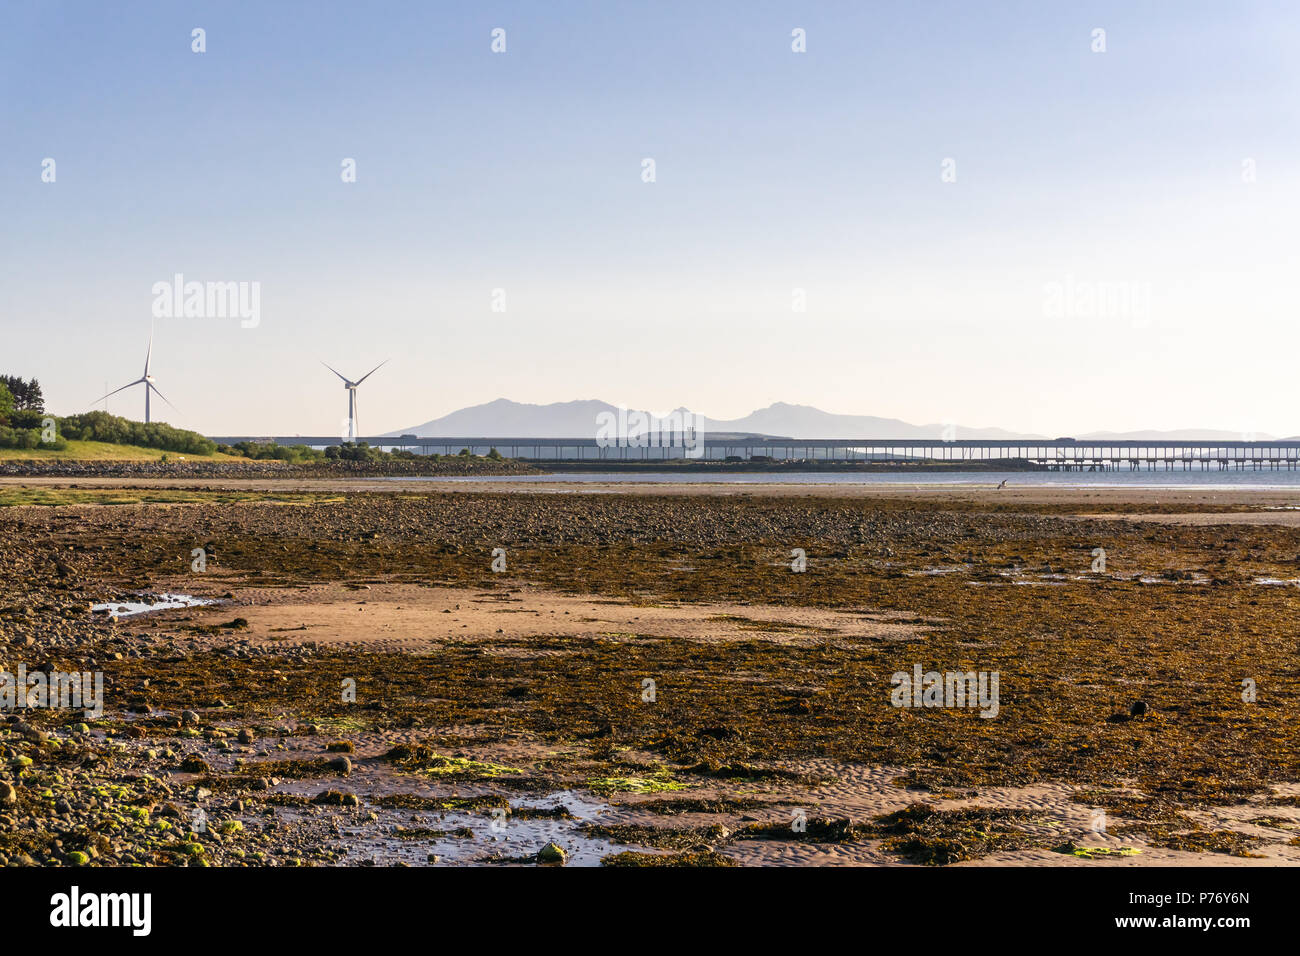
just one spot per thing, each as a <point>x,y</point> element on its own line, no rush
<point>1059,454</point>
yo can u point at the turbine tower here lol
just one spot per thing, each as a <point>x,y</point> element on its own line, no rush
<point>351,386</point>
<point>146,380</point>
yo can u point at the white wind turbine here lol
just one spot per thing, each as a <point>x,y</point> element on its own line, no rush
<point>351,386</point>
<point>146,380</point>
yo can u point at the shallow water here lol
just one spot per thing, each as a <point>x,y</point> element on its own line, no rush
<point>1181,480</point>
<point>515,838</point>
<point>118,609</point>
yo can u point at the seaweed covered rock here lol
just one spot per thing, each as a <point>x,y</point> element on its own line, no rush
<point>552,853</point>
<point>336,798</point>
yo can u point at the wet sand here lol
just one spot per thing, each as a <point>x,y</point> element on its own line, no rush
<point>422,619</point>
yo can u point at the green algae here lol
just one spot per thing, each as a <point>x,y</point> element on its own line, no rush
<point>420,758</point>
<point>660,781</point>
<point>703,858</point>
<point>1095,852</point>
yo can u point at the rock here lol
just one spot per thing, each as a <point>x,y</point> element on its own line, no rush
<point>551,853</point>
<point>336,798</point>
<point>341,765</point>
<point>33,734</point>
<point>1139,709</point>
<point>8,796</point>
<point>195,764</point>
<point>189,717</point>
<point>246,736</point>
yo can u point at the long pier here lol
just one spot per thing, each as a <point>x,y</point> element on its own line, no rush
<point>1054,455</point>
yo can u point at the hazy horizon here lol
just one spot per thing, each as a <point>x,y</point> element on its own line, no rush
<point>1159,175</point>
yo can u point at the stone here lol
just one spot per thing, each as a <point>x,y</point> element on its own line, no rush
<point>195,764</point>
<point>341,765</point>
<point>336,798</point>
<point>551,853</point>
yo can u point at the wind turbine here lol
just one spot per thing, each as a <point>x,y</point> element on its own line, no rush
<point>351,386</point>
<point>146,379</point>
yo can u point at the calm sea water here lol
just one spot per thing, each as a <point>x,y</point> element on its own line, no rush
<point>1187,480</point>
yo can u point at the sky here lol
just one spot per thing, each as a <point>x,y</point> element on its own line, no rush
<point>939,211</point>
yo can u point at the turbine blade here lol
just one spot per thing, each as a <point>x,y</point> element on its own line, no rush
<point>161,395</point>
<point>149,354</point>
<point>116,390</point>
<point>372,371</point>
<point>356,418</point>
<point>338,373</point>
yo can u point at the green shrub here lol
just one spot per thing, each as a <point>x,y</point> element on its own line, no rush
<point>101,426</point>
<point>26,418</point>
<point>261,451</point>
<point>20,437</point>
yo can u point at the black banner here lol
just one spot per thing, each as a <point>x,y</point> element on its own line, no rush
<point>145,906</point>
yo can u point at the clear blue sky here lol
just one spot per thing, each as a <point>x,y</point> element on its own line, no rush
<point>820,171</point>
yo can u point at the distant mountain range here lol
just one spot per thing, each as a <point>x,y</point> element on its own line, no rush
<point>579,419</point>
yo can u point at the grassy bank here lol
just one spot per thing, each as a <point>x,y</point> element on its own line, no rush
<point>102,451</point>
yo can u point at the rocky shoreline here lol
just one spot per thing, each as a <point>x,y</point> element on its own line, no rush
<point>220,743</point>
